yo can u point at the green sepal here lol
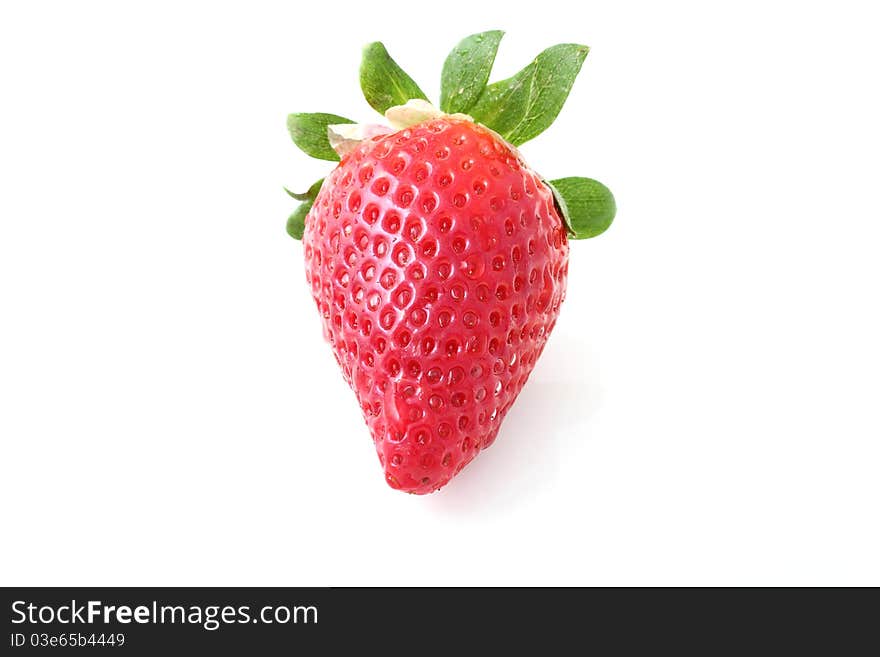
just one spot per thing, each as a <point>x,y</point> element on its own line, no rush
<point>308,195</point>
<point>466,71</point>
<point>383,82</point>
<point>586,205</point>
<point>309,132</point>
<point>296,222</point>
<point>523,106</point>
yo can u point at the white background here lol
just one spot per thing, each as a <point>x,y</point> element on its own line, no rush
<point>705,413</point>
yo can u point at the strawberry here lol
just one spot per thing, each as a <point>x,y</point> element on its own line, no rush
<point>437,258</point>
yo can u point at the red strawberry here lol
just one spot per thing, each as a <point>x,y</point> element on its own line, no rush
<point>438,261</point>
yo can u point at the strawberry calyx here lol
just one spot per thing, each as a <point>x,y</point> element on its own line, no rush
<point>345,137</point>
<point>416,111</point>
<point>516,109</point>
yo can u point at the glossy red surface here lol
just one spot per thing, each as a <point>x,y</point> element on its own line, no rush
<point>438,262</point>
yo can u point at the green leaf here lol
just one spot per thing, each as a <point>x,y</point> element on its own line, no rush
<point>383,82</point>
<point>296,223</point>
<point>586,205</point>
<point>308,195</point>
<point>523,106</point>
<point>309,132</point>
<point>466,71</point>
